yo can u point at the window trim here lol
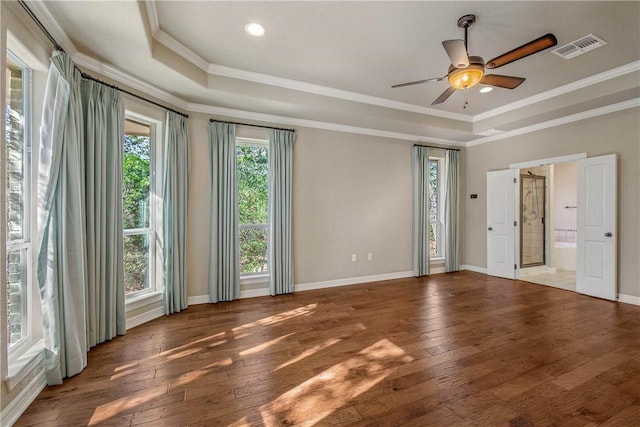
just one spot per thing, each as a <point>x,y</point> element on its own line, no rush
<point>154,292</point>
<point>440,246</point>
<point>16,351</point>
<point>259,276</point>
<point>27,354</point>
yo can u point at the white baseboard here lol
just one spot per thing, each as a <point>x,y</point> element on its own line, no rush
<point>252,293</point>
<point>145,317</point>
<point>482,270</point>
<point>352,281</point>
<point>198,299</point>
<point>629,299</point>
<point>17,406</point>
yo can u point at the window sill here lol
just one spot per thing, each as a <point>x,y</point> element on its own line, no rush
<point>142,300</point>
<point>257,279</point>
<point>21,365</point>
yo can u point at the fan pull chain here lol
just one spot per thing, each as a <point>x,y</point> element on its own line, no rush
<point>466,102</point>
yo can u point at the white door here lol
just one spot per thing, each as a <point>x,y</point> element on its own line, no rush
<point>501,223</point>
<point>596,266</point>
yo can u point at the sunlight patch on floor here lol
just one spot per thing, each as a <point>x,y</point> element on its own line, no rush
<point>264,346</point>
<point>279,318</point>
<point>330,390</point>
<point>126,404</point>
<point>309,352</point>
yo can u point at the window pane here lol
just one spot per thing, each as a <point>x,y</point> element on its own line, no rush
<point>136,172</point>
<point>434,208</point>
<point>136,263</point>
<point>253,190</point>
<point>253,249</point>
<point>16,155</point>
<point>253,207</point>
<point>17,196</point>
<point>16,294</point>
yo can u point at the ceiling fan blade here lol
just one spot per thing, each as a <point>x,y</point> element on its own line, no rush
<point>507,82</point>
<point>457,52</point>
<point>417,82</point>
<point>444,96</point>
<point>534,46</point>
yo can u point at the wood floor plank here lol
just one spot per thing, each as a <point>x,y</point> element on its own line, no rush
<point>450,349</point>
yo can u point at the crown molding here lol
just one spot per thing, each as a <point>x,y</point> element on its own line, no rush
<point>170,42</point>
<point>220,70</point>
<point>152,15</point>
<point>215,69</point>
<point>561,90</point>
<point>43,14</point>
<point>133,82</point>
<point>315,89</point>
<point>632,103</point>
<point>49,22</point>
<point>292,121</point>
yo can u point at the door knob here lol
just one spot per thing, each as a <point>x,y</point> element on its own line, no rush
<point>490,228</point>
<point>609,234</point>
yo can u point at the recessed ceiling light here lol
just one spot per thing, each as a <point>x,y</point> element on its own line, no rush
<point>486,89</point>
<point>254,29</point>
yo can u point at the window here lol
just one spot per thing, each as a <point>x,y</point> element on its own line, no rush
<point>436,208</point>
<point>18,207</point>
<point>252,159</point>
<point>138,213</point>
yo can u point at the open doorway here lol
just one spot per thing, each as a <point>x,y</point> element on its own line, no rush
<point>548,225</point>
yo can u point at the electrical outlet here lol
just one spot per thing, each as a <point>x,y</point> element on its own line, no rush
<point>370,256</point>
<point>354,257</point>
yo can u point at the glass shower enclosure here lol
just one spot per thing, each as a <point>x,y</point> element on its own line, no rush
<point>532,221</point>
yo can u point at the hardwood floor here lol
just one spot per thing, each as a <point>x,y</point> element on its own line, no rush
<point>453,349</point>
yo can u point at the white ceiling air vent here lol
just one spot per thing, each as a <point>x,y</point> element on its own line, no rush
<point>580,46</point>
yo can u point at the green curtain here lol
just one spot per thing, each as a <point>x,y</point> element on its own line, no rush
<point>224,268</point>
<point>420,169</point>
<point>280,180</point>
<point>61,260</point>
<point>175,202</point>
<point>451,207</point>
<point>104,133</point>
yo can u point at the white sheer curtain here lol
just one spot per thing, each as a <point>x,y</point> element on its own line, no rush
<point>80,260</point>
<point>61,272</point>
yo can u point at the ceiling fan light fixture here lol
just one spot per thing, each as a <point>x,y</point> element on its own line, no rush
<point>464,78</point>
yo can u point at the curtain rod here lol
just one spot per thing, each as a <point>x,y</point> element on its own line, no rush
<point>440,148</point>
<point>249,124</point>
<point>88,77</point>
<point>84,75</point>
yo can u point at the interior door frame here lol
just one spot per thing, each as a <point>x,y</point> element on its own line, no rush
<point>533,163</point>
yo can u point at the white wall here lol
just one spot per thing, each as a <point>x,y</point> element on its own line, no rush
<point>566,194</point>
<point>617,133</point>
<point>351,195</point>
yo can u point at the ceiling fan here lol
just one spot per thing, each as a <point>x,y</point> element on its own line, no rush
<point>467,71</point>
